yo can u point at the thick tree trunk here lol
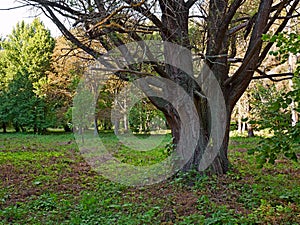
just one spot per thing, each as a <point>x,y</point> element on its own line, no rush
<point>217,162</point>
<point>175,17</point>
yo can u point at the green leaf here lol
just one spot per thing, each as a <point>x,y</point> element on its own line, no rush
<point>289,101</point>
<point>245,119</point>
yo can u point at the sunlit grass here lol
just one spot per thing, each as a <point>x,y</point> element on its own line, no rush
<point>45,180</point>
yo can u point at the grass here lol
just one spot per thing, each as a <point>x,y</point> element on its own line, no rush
<point>45,180</point>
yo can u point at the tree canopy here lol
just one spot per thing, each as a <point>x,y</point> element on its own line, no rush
<point>26,58</point>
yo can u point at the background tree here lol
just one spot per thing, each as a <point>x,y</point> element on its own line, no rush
<point>3,97</point>
<point>27,54</point>
<point>67,67</point>
<point>276,109</point>
<point>104,21</point>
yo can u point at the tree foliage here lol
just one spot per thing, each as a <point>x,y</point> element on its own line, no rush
<point>26,56</point>
<point>275,108</point>
<point>67,67</point>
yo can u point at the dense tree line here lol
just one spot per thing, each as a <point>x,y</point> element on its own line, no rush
<point>38,80</point>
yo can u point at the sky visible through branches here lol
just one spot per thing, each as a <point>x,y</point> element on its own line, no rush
<point>9,18</point>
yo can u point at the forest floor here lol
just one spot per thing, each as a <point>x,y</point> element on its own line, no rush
<point>45,180</point>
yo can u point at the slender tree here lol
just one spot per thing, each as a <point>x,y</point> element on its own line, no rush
<point>108,22</point>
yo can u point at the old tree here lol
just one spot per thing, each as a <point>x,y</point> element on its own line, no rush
<point>214,29</point>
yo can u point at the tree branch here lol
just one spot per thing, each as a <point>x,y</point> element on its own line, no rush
<point>237,28</point>
<point>271,77</point>
<point>145,12</point>
<point>16,7</point>
<point>280,29</point>
<point>190,3</point>
<point>68,34</point>
<point>231,12</point>
<point>256,45</point>
<point>58,4</point>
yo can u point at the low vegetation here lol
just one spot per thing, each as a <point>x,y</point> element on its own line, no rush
<point>44,180</point>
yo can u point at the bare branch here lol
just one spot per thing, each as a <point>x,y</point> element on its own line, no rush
<point>61,5</point>
<point>254,49</point>
<point>235,60</point>
<point>145,12</point>
<point>231,12</point>
<point>190,3</point>
<point>68,34</point>
<point>11,8</point>
<point>199,94</point>
<point>138,73</point>
<point>289,17</point>
<point>263,75</point>
<point>280,29</point>
<point>237,28</point>
<point>241,19</point>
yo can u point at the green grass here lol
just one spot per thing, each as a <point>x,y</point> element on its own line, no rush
<point>45,180</point>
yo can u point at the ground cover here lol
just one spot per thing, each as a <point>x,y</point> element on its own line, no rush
<point>45,180</point>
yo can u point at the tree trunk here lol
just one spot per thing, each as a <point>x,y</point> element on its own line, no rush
<point>175,17</point>
<point>216,162</point>
<point>244,127</point>
<point>67,128</point>
<point>126,123</point>
<point>4,127</point>
<point>23,129</point>
<point>96,131</point>
<point>116,126</point>
<point>35,129</point>
<point>17,127</point>
<point>250,130</point>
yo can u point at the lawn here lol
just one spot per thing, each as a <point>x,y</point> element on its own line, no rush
<point>45,180</point>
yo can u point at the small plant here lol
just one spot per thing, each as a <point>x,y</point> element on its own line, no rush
<point>277,119</point>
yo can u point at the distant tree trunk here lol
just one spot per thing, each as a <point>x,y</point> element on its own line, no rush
<point>23,129</point>
<point>4,127</point>
<point>116,126</point>
<point>126,122</point>
<point>250,131</point>
<point>292,61</point>
<point>96,131</point>
<point>17,127</point>
<point>244,127</point>
<point>249,126</point>
<point>125,113</point>
<point>35,129</point>
<point>67,128</point>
